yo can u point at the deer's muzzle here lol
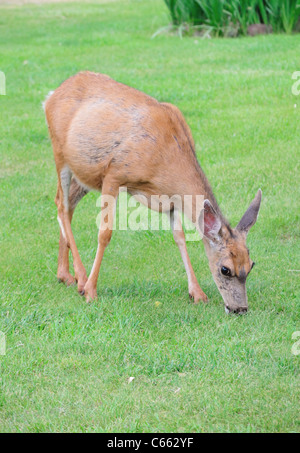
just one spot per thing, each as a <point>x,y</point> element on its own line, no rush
<point>238,310</point>
<point>234,295</point>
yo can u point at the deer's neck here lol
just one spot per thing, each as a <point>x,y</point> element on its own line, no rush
<point>194,190</point>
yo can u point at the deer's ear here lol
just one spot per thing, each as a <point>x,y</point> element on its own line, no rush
<point>209,221</point>
<point>250,216</point>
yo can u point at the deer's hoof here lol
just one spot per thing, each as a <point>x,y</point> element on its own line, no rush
<point>90,293</point>
<point>81,285</point>
<point>197,296</point>
<point>66,278</point>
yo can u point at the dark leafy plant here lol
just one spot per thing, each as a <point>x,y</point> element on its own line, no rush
<point>184,11</point>
<point>243,13</point>
<point>282,15</point>
<point>220,15</point>
<point>215,13</point>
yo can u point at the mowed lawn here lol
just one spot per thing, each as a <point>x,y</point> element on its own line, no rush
<point>67,364</point>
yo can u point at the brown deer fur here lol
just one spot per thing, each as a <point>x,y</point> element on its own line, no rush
<point>106,135</point>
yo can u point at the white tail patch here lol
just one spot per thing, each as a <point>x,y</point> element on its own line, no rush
<point>47,97</point>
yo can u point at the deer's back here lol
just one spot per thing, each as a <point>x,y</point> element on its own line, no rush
<point>99,125</point>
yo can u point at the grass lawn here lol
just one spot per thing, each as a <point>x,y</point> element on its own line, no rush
<point>67,364</point>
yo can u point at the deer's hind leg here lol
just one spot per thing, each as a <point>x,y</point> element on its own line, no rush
<point>65,212</point>
<point>77,192</point>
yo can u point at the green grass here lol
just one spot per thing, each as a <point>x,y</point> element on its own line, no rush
<point>67,363</point>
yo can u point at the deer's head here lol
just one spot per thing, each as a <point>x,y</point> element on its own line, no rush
<point>227,253</point>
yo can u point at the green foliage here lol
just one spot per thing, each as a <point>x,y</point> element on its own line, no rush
<point>243,13</point>
<point>282,15</point>
<point>215,14</point>
<point>184,11</point>
<point>219,15</point>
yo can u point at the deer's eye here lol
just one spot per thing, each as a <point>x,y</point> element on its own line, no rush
<point>226,271</point>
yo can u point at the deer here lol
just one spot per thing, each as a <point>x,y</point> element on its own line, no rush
<point>107,136</point>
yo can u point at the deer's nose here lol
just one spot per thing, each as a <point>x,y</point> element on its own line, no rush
<point>238,310</point>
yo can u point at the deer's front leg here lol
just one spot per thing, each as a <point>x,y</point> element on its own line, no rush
<point>195,291</point>
<point>108,203</point>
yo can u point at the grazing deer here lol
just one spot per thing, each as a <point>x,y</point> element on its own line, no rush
<point>107,136</point>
